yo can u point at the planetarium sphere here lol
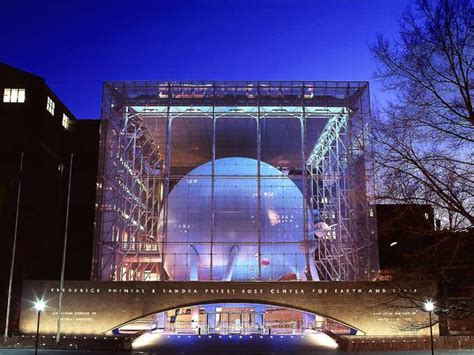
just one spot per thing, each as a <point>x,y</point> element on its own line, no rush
<point>213,226</point>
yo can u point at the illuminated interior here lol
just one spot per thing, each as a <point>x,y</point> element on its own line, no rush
<point>234,181</point>
<point>236,319</point>
<point>303,142</point>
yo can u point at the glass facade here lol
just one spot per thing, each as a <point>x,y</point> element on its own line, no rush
<point>234,181</point>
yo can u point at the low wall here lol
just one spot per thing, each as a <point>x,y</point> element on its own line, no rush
<point>93,307</point>
<point>367,343</point>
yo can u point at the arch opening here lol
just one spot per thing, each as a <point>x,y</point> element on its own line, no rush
<point>234,318</point>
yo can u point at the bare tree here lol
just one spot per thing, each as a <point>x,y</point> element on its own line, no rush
<point>424,143</point>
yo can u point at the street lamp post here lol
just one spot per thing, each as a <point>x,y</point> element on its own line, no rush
<point>39,306</point>
<point>429,307</point>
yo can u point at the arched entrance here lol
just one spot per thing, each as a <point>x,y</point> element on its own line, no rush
<point>234,318</point>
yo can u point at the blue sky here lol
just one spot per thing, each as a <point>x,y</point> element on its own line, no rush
<point>76,45</point>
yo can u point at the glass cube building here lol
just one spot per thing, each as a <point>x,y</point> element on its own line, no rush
<point>235,181</point>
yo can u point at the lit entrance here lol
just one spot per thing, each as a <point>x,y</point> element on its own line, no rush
<point>234,319</point>
<point>243,325</point>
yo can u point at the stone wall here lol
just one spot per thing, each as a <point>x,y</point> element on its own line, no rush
<point>94,307</point>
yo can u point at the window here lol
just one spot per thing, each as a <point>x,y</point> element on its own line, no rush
<point>14,95</point>
<point>65,121</point>
<point>50,106</point>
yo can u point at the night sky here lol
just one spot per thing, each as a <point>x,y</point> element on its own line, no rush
<point>76,45</point>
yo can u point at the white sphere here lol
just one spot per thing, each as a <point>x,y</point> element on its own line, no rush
<point>236,224</point>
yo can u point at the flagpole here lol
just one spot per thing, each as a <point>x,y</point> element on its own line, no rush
<point>15,233</point>
<point>63,266</point>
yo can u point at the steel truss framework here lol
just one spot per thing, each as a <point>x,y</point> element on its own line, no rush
<point>135,170</point>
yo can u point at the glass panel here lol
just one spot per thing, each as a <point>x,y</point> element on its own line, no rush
<point>14,95</point>
<point>21,95</point>
<point>6,95</point>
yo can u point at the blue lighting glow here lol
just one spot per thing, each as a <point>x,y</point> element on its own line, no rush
<point>237,224</point>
